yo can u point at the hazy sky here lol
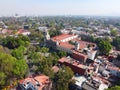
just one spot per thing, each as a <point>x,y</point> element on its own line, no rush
<point>60,7</point>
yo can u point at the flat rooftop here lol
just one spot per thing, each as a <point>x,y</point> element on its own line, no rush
<point>74,63</point>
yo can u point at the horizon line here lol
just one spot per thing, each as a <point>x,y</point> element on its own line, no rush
<point>68,15</point>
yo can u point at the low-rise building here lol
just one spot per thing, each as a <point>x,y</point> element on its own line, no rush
<point>75,65</point>
<point>42,28</point>
<point>23,32</point>
<point>73,45</point>
<point>79,80</point>
<point>40,82</point>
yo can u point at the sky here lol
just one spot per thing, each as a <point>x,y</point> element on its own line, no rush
<point>60,7</point>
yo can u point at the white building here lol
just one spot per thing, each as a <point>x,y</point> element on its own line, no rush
<point>79,81</point>
<point>26,33</point>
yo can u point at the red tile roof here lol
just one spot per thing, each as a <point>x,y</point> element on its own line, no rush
<point>76,54</point>
<point>42,79</point>
<point>9,31</point>
<point>67,45</point>
<point>83,44</point>
<point>62,59</point>
<point>61,37</point>
<point>20,31</point>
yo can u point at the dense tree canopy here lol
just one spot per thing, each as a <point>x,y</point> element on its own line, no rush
<point>18,53</point>
<point>104,47</point>
<point>116,43</point>
<point>63,78</point>
<point>34,57</point>
<point>113,32</point>
<point>62,54</point>
<point>54,33</point>
<point>88,38</point>
<point>49,72</point>
<point>2,78</point>
<point>36,35</point>
<point>14,42</point>
<point>20,68</point>
<point>4,49</point>
<point>46,67</point>
<point>44,50</point>
<point>11,68</point>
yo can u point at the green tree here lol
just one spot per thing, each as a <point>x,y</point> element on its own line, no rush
<point>54,32</point>
<point>19,52</point>
<point>116,42</point>
<point>54,58</point>
<point>113,32</point>
<point>88,38</point>
<point>114,88</point>
<point>11,68</point>
<point>37,49</point>
<point>107,39</point>
<point>46,67</point>
<point>15,42</point>
<point>62,54</point>
<point>45,62</point>
<point>34,57</point>
<point>98,40</point>
<point>44,50</point>
<point>10,42</point>
<point>21,68</point>
<point>104,47</point>
<point>49,72</point>
<point>4,49</point>
<point>30,49</point>
<point>63,78</point>
<point>36,36</point>
<point>2,78</point>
